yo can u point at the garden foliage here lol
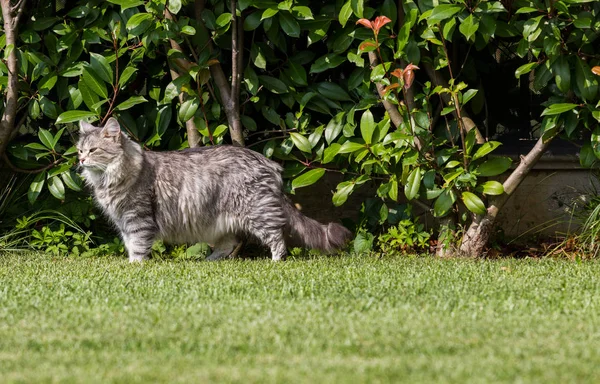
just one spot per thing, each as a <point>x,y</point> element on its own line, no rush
<point>414,96</point>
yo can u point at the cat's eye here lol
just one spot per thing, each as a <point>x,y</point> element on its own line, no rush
<point>92,150</point>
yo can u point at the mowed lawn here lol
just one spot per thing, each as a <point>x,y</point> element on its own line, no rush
<point>344,319</point>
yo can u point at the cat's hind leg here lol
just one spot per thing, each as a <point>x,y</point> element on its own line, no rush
<point>223,248</point>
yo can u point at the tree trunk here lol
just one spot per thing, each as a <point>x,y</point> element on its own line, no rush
<point>11,17</point>
<point>478,234</point>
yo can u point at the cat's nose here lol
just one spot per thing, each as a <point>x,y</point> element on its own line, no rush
<point>82,160</point>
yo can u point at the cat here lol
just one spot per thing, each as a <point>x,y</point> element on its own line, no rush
<point>212,194</point>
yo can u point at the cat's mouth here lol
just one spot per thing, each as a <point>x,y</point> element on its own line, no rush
<point>92,167</point>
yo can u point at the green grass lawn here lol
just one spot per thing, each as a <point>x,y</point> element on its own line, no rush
<point>338,319</point>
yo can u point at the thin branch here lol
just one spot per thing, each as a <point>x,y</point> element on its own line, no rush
<point>17,11</point>
<point>14,168</point>
<point>216,70</point>
<point>391,109</point>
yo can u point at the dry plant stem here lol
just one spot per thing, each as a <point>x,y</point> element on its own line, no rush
<point>11,16</point>
<point>478,234</point>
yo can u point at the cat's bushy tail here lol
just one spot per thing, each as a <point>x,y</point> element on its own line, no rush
<point>307,232</point>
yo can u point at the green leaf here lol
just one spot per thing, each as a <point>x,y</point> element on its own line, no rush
<point>562,73</point>
<point>47,83</point>
<point>343,191</point>
<point>308,178</point>
<point>301,142</point>
<point>268,13</point>
<point>345,13</point>
<point>331,152</point>
<point>126,75</point>
<point>595,141</point>
<point>350,146</point>
<point>89,97</point>
<point>367,126</point>
<point>469,27</point>
<point>252,21</point>
<point>273,84</point>
<point>303,11</point>
<point>443,204</point>
<point>139,23</point>
<point>358,7</point>
<point>297,73</point>
<point>188,109</point>
<point>48,107</point>
<point>556,109</point>
<point>411,188</point>
<point>36,187</point>
<point>473,203</point>
<point>470,141</point>
<point>134,100</point>
<point>288,24</point>
<point>363,242</point>
<point>223,20</point>
<point>57,137</point>
<point>486,148</point>
<point>333,91</point>
<point>101,67</point>
<point>585,80</point>
<point>494,167</point>
<point>323,63</point>
<point>587,158</point>
<point>94,83</point>
<point>46,138</point>
<point>449,28</point>
<point>69,179</point>
<point>468,95</point>
<point>72,116</point>
<point>56,187</point>
<point>125,4</point>
<point>334,127</point>
<point>492,188</point>
<point>525,68</point>
<point>174,6</point>
<point>443,12</point>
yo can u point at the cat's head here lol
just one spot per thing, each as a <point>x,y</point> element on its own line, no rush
<point>98,147</point>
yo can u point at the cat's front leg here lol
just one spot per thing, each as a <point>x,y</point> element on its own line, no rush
<point>138,244</point>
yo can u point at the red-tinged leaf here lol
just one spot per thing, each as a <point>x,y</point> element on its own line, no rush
<point>397,73</point>
<point>366,45</point>
<point>409,75</point>
<point>390,87</point>
<point>379,22</point>
<point>596,70</point>
<point>365,23</point>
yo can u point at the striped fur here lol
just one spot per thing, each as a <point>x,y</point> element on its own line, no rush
<point>212,194</point>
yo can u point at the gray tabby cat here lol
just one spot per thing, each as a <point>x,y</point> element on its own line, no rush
<point>210,194</point>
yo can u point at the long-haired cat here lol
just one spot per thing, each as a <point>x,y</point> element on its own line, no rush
<point>209,194</point>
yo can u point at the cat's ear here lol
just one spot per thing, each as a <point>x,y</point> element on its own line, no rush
<point>112,129</point>
<point>85,127</point>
